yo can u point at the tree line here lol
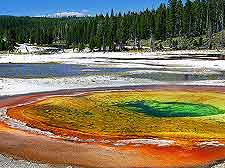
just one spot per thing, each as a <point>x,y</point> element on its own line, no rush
<point>112,31</point>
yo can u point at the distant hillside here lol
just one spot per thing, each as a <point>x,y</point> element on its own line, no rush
<point>198,42</point>
<point>175,25</point>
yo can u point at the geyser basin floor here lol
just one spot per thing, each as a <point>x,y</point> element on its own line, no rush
<point>194,133</point>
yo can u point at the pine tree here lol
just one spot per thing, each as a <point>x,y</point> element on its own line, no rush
<point>161,23</point>
<point>120,34</point>
<point>11,40</point>
<point>108,27</point>
<point>210,20</point>
<point>179,18</point>
<point>100,39</point>
<point>187,18</point>
<point>172,19</point>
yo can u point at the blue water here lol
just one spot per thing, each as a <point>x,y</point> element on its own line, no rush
<point>67,70</point>
<point>52,70</point>
<point>171,109</point>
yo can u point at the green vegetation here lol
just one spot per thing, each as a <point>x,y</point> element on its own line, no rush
<point>195,22</point>
<point>8,42</point>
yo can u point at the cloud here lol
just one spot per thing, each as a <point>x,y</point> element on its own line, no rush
<point>81,13</point>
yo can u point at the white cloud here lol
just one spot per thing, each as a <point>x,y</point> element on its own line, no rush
<point>81,13</point>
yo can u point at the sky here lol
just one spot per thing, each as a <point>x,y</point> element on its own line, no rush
<point>72,7</point>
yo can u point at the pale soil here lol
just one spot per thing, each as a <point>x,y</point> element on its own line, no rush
<point>9,86</point>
